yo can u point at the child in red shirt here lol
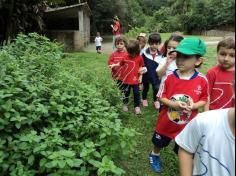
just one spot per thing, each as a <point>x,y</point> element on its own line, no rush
<point>117,57</point>
<point>131,74</point>
<point>220,77</point>
<point>182,93</point>
<point>116,29</point>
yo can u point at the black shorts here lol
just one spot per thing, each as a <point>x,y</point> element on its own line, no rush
<point>98,48</point>
<point>161,141</point>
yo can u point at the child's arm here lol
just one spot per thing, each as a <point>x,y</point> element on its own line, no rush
<point>207,106</point>
<point>195,106</point>
<point>161,69</point>
<point>185,162</point>
<point>140,79</point>
<point>114,65</point>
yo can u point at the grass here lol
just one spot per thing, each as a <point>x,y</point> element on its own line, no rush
<point>137,164</point>
<point>165,36</point>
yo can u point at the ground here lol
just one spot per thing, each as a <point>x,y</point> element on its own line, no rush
<point>107,46</point>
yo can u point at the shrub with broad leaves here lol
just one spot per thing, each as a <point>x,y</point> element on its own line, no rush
<point>51,122</point>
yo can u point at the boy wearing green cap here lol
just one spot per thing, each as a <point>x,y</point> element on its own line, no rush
<point>182,93</point>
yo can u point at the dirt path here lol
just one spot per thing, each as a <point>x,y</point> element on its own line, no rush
<point>107,47</point>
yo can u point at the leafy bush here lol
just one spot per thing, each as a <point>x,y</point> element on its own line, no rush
<point>105,86</point>
<point>136,31</point>
<point>52,123</point>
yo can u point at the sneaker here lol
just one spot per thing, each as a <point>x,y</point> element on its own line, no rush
<point>157,104</point>
<point>125,108</point>
<point>137,110</point>
<point>155,162</point>
<point>145,103</point>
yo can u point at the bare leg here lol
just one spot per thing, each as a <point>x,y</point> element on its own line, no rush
<point>156,150</point>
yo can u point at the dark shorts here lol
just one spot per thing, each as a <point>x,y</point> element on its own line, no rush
<point>161,141</point>
<point>98,48</point>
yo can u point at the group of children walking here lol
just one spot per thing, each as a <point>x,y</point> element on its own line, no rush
<point>179,92</point>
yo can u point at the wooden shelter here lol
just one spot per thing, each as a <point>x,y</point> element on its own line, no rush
<point>69,25</point>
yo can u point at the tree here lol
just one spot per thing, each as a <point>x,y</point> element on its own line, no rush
<point>104,11</point>
<point>21,16</point>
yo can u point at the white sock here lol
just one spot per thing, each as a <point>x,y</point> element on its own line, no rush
<point>153,153</point>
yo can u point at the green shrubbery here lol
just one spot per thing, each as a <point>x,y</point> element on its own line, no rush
<point>136,31</point>
<point>52,122</point>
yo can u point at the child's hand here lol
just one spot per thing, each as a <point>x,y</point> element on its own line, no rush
<point>170,58</point>
<point>140,87</point>
<point>190,106</point>
<point>111,66</point>
<point>114,65</point>
<point>179,105</point>
<point>143,70</point>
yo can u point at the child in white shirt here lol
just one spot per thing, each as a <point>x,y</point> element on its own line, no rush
<point>98,42</point>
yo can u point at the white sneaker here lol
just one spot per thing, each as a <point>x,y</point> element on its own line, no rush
<point>137,110</point>
<point>125,108</point>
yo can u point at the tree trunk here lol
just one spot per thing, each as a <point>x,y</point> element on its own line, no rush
<point>10,33</point>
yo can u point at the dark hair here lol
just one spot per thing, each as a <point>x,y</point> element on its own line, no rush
<point>133,48</point>
<point>174,37</point>
<point>154,38</point>
<point>228,43</point>
<point>121,39</point>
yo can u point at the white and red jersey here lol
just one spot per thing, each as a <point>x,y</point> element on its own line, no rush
<point>131,67</point>
<point>117,29</point>
<point>171,122</point>
<point>220,88</point>
<point>117,57</point>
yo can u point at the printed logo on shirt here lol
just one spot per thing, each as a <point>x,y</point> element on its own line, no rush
<point>198,91</point>
<point>180,117</point>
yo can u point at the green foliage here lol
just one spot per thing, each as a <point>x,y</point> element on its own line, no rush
<point>189,15</point>
<point>136,31</point>
<point>182,15</point>
<point>52,122</point>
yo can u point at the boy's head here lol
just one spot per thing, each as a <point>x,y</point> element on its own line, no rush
<point>98,34</point>
<point>226,54</point>
<point>133,48</point>
<point>189,53</point>
<point>121,43</point>
<point>154,41</point>
<point>142,40</point>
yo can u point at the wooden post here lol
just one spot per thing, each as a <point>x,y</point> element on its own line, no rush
<point>81,21</point>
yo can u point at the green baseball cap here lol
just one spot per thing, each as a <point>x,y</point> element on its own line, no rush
<point>191,46</point>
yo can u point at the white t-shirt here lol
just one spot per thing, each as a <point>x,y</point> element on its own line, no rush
<point>172,67</point>
<point>210,139</point>
<point>98,41</point>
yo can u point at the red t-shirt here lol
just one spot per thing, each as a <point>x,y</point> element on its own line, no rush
<point>220,88</point>
<point>131,69</point>
<point>171,122</point>
<point>117,57</point>
<point>117,28</point>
